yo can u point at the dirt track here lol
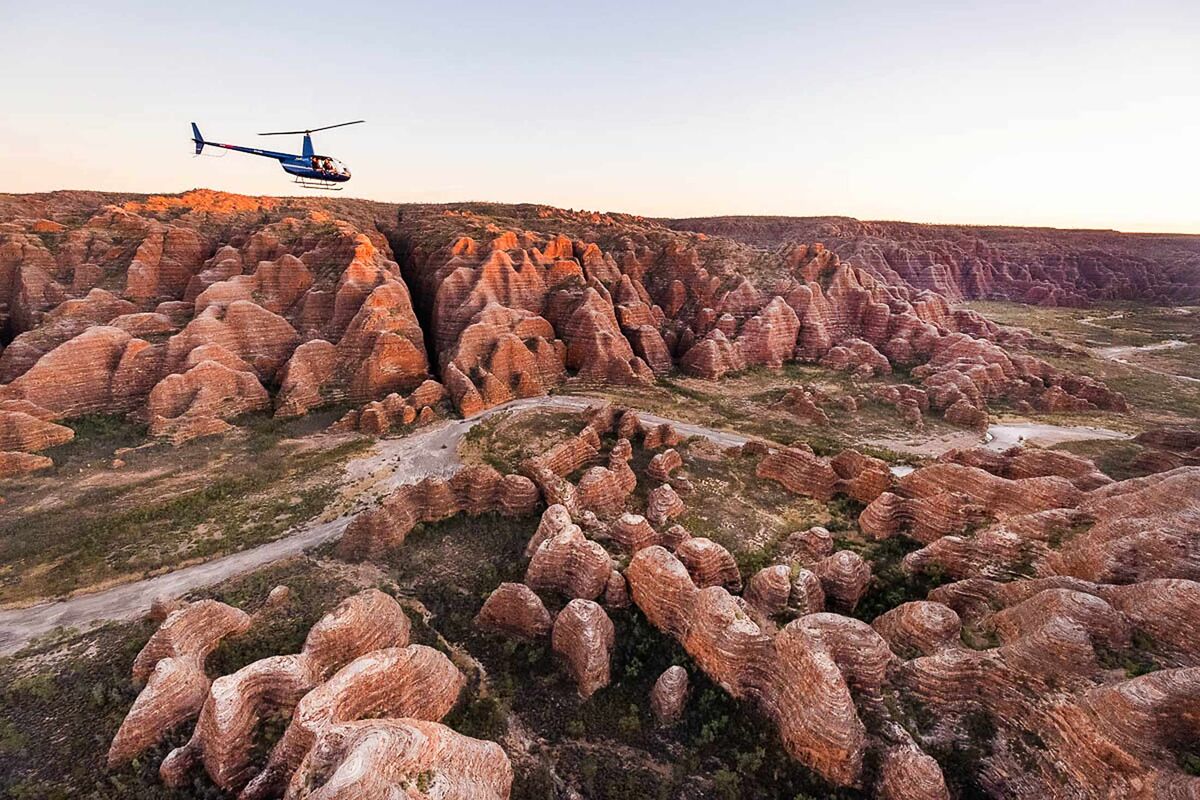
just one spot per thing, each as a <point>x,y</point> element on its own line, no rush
<point>393,463</point>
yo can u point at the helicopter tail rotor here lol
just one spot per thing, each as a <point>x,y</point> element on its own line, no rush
<point>197,138</point>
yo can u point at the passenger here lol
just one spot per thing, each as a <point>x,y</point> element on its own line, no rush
<point>316,163</point>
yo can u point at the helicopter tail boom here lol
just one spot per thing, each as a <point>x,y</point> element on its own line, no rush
<point>197,138</point>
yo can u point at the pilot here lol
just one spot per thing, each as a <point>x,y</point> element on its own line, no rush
<point>328,165</point>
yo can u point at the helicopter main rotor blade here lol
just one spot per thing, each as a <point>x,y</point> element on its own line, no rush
<point>339,125</point>
<point>312,130</point>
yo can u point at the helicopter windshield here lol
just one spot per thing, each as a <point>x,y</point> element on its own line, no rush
<point>329,165</point>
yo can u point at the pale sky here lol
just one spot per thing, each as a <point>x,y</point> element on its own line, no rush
<point>1064,113</point>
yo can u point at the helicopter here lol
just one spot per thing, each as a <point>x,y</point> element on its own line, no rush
<point>309,169</point>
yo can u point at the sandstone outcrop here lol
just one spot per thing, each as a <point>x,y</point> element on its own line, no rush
<point>1039,266</point>
<point>770,589</point>
<point>633,532</point>
<point>713,357</point>
<point>473,490</point>
<point>663,464</point>
<point>223,739</point>
<point>769,337</point>
<point>844,578</point>
<point>276,282</point>
<point>514,608</point>
<point>1067,583</point>
<point>570,455</point>
<point>861,477</point>
<point>858,357</point>
<point>906,773</point>
<point>919,627</point>
<point>802,472</point>
<point>809,546</point>
<point>709,564</point>
<point>861,654</point>
<point>171,665</point>
<point>376,759</point>
<point>584,636</point>
<point>1144,529</point>
<point>805,404</point>
<point>571,564</point>
<point>354,667</point>
<point>663,505</point>
<point>604,490</point>
<point>806,595</point>
<point>616,592</point>
<point>925,519</point>
<point>309,298</point>
<point>796,677</point>
<point>662,435</point>
<point>198,402</point>
<point>1032,462</point>
<point>414,681</point>
<point>394,412</point>
<point>669,695</point>
<point>555,519</point>
<point>1048,527</point>
<point>26,432</point>
<point>1167,611</point>
<point>16,464</point>
<point>304,376</point>
<point>103,369</point>
<point>24,429</point>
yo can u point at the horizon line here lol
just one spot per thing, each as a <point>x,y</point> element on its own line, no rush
<point>766,215</point>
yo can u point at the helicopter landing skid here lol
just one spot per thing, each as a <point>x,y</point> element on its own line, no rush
<point>309,183</point>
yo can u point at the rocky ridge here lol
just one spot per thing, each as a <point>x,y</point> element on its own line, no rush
<point>189,311</point>
<point>1045,266</point>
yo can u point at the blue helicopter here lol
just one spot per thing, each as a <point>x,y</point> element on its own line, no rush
<point>310,170</point>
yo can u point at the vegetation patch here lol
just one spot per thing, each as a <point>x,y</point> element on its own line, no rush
<point>608,746</point>
<point>891,585</point>
<point>176,505</point>
<point>504,440</point>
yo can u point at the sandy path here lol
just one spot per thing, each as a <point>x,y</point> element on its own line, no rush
<point>1008,434</point>
<point>393,463</point>
<point>1121,354</point>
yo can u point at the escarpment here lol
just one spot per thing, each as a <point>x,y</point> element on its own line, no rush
<point>1044,266</point>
